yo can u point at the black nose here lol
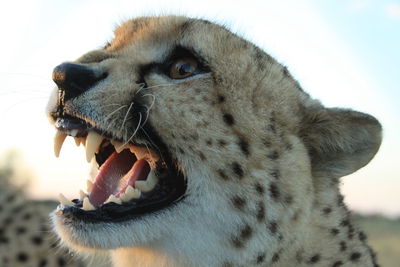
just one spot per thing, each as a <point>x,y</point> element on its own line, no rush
<point>74,79</point>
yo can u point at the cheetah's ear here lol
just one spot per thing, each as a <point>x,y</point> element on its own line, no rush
<point>340,141</point>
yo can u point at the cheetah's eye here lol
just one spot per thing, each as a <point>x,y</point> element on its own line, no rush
<point>183,68</point>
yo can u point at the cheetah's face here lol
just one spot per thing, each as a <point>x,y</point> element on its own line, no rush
<point>190,126</point>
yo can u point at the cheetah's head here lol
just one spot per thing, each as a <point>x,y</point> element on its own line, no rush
<point>203,142</point>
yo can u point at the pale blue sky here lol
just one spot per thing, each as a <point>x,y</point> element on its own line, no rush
<point>345,53</point>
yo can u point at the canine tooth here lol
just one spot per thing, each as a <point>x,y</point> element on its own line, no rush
<point>139,152</point>
<point>114,199</point>
<point>147,185</point>
<point>82,195</point>
<point>65,201</point>
<point>89,185</point>
<point>87,205</point>
<point>93,142</point>
<point>58,142</point>
<point>130,193</point>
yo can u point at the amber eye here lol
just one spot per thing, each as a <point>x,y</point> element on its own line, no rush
<point>183,68</point>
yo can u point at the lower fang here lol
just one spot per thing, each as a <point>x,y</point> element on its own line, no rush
<point>87,205</point>
<point>149,184</point>
<point>64,201</point>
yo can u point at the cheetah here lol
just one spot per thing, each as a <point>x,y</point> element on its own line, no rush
<point>26,238</point>
<point>207,152</point>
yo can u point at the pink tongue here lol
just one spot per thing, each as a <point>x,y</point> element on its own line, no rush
<point>112,170</point>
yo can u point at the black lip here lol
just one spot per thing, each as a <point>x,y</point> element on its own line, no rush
<point>170,189</point>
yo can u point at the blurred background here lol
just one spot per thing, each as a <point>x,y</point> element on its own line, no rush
<point>344,53</point>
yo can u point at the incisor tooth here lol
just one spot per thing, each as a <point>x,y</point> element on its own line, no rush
<point>130,193</point>
<point>87,205</point>
<point>114,199</point>
<point>58,142</point>
<point>93,142</point>
<point>147,185</point>
<point>65,201</point>
<point>89,185</point>
<point>82,195</point>
<point>118,146</point>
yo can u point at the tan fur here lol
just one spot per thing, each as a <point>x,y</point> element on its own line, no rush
<point>262,159</point>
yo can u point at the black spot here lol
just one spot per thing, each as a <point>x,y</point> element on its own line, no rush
<point>274,191</point>
<point>260,258</point>
<point>4,240</point>
<point>288,199</point>
<point>274,155</point>
<point>327,210</point>
<point>228,119</point>
<point>209,142</point>
<point>37,240</point>
<point>244,146</point>
<point>260,211</point>
<point>350,233</point>
<point>345,222</point>
<point>27,216</point>
<point>362,236</point>
<point>315,258</point>
<point>8,221</point>
<point>337,264</point>
<point>222,174</point>
<point>275,258</point>
<point>10,198</point>
<point>355,256</point>
<point>343,246</point>
<point>334,231</point>
<point>221,143</point>
<point>259,189</point>
<point>245,233</point>
<point>221,99</point>
<point>238,202</point>
<point>181,150</point>
<point>22,257</point>
<point>227,264</point>
<point>201,155</point>
<point>61,261</point>
<point>272,128</point>
<point>340,200</point>
<point>42,263</point>
<point>266,142</point>
<point>273,227</point>
<point>276,174</point>
<point>289,146</point>
<point>237,169</point>
<point>20,230</point>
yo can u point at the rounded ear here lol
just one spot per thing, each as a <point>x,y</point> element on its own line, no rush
<point>339,141</point>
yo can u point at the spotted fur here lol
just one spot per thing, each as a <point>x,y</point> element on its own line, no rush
<point>262,158</point>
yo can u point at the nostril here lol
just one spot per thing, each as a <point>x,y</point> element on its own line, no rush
<point>75,79</point>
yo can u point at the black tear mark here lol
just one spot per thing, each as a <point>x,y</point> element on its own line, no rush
<point>237,169</point>
<point>228,119</point>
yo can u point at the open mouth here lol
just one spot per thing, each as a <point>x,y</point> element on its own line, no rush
<point>133,179</point>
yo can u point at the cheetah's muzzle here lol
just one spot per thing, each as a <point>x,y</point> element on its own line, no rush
<point>134,177</point>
